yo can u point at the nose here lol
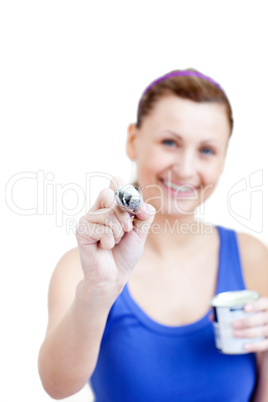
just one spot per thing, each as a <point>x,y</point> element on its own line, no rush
<point>185,165</point>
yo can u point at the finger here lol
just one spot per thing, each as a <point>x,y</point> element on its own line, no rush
<point>252,320</point>
<point>254,332</point>
<point>144,220</point>
<point>104,200</point>
<point>116,182</point>
<point>107,201</point>
<point>256,346</point>
<point>118,220</point>
<point>90,233</point>
<point>257,305</point>
<point>107,242</point>
<point>106,197</point>
<point>145,212</point>
<point>105,217</point>
<point>124,218</point>
<point>211,317</point>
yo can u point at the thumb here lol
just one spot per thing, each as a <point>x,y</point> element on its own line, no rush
<point>143,220</point>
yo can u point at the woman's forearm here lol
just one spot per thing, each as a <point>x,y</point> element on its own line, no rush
<point>261,391</point>
<point>69,353</point>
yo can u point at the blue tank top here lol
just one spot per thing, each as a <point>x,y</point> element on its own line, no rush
<point>141,360</point>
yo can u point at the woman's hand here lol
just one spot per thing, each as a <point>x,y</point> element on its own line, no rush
<point>254,326</point>
<point>111,242</point>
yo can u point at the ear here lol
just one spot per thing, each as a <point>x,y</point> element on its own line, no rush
<point>131,141</point>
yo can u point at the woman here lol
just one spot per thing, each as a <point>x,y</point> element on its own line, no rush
<point>144,334</point>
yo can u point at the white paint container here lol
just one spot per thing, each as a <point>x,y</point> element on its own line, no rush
<point>228,307</point>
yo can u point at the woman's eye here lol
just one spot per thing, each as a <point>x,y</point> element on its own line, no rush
<point>207,151</point>
<point>169,143</point>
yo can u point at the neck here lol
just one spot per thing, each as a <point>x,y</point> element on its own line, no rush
<point>170,233</point>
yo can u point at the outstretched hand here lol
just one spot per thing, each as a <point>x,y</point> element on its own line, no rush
<point>111,242</point>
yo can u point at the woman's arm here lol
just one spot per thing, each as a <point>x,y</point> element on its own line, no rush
<point>83,288</point>
<point>261,392</point>
<point>77,318</point>
<point>254,256</point>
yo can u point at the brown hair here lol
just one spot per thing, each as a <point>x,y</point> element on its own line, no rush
<point>190,87</point>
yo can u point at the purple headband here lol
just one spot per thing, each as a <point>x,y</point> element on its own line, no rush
<point>181,73</point>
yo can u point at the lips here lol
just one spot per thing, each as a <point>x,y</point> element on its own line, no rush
<point>178,188</point>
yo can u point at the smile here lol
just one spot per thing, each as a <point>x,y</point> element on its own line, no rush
<point>180,188</point>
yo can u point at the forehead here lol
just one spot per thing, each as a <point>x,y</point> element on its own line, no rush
<point>189,117</point>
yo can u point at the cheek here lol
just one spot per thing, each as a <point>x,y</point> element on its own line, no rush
<point>210,178</point>
<point>151,160</point>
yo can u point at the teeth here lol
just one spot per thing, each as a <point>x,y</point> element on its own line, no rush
<point>177,188</point>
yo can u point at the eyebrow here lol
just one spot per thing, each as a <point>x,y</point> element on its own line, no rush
<point>173,133</point>
<point>215,140</point>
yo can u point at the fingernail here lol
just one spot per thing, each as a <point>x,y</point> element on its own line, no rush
<point>128,225</point>
<point>238,324</point>
<point>238,333</point>
<point>248,307</point>
<point>150,208</point>
<point>247,346</point>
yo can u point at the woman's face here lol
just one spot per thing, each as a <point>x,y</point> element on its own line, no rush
<point>180,152</point>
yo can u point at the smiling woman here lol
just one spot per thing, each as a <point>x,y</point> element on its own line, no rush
<point>180,151</point>
<point>129,308</point>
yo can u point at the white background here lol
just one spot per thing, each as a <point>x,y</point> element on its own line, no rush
<point>71,76</point>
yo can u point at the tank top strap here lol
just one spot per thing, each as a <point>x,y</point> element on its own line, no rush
<point>230,275</point>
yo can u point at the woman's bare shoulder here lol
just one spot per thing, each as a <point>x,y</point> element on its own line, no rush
<point>254,258</point>
<point>68,267</point>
